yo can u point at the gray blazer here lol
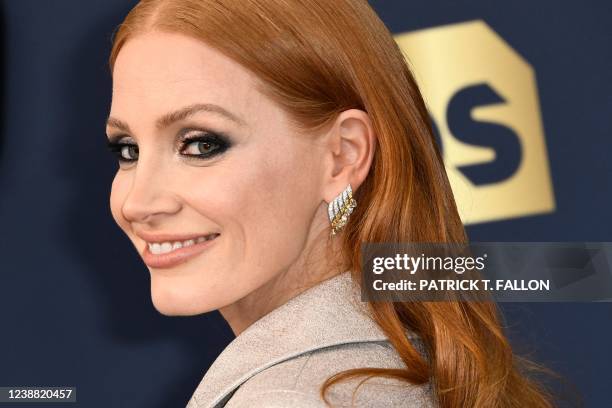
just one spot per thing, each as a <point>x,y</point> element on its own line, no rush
<point>281,360</point>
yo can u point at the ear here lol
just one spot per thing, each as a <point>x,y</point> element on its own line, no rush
<point>352,143</point>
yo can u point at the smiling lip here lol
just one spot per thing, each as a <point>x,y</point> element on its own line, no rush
<point>177,256</point>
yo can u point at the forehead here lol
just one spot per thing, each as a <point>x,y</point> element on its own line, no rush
<point>158,71</point>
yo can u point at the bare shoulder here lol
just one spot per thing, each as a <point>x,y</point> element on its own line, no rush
<point>297,382</point>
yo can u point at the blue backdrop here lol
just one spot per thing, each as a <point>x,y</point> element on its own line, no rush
<point>75,304</point>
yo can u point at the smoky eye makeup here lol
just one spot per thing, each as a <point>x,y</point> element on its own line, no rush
<point>123,147</point>
<point>198,144</point>
<point>191,144</point>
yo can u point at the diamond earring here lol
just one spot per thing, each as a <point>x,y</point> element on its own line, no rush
<point>340,208</point>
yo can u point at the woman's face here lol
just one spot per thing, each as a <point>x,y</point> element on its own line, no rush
<point>215,189</point>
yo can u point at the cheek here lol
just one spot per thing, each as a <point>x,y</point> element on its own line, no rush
<point>266,206</point>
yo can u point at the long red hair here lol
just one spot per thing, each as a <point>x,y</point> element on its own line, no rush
<point>317,58</point>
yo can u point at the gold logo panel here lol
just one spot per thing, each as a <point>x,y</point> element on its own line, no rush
<point>482,97</point>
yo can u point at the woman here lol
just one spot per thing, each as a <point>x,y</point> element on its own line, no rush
<point>236,123</point>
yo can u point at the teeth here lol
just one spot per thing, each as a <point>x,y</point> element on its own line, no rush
<point>158,248</point>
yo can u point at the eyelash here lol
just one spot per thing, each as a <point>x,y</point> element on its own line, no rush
<point>221,142</point>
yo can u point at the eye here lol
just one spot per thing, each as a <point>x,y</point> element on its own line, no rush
<point>199,147</point>
<point>202,145</point>
<point>128,152</point>
<point>125,151</point>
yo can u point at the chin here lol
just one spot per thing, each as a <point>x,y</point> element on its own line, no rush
<point>173,309</point>
<point>171,301</point>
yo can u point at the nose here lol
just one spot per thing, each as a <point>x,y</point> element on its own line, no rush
<point>150,196</point>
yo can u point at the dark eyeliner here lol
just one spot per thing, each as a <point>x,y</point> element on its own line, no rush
<point>115,145</point>
<point>216,139</point>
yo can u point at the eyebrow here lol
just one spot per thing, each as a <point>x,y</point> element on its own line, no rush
<point>181,114</point>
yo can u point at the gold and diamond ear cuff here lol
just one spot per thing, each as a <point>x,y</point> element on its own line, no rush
<point>340,208</point>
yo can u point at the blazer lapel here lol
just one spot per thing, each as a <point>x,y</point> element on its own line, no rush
<point>327,314</point>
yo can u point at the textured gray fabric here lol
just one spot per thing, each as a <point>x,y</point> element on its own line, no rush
<point>282,359</point>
